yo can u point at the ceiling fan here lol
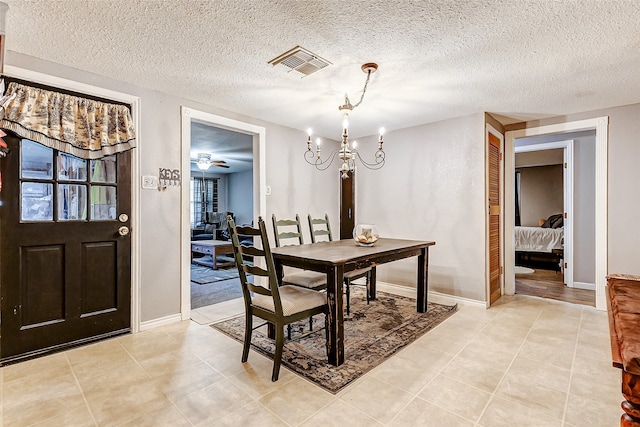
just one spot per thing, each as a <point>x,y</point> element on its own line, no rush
<point>204,162</point>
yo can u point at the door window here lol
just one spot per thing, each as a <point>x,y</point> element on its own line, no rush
<point>71,194</point>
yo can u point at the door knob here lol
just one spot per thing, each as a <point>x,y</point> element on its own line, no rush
<point>123,217</point>
<point>123,231</point>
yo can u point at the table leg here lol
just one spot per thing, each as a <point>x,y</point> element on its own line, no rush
<point>423,277</point>
<point>372,285</point>
<point>335,317</point>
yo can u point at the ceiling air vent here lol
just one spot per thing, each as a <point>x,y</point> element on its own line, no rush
<point>301,60</point>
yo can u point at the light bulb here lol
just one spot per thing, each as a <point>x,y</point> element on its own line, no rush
<point>309,131</point>
<point>318,142</point>
<point>345,122</point>
<point>355,143</point>
<point>381,131</point>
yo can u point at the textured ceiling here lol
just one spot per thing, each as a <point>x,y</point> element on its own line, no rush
<point>520,59</point>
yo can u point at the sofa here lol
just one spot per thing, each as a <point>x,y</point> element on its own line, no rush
<point>216,227</point>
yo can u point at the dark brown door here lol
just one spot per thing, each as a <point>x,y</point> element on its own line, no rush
<point>65,267</point>
<point>495,274</point>
<point>347,206</point>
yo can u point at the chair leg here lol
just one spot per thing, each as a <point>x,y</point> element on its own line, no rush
<point>367,286</point>
<point>277,357</point>
<point>348,292</point>
<point>248,329</point>
<point>289,332</point>
<point>311,323</point>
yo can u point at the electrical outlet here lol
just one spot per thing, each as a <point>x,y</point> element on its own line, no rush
<point>149,182</point>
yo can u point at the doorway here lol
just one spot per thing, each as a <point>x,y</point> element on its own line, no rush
<point>194,121</point>
<point>600,126</point>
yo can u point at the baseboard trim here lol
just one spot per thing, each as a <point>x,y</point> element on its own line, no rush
<point>161,321</point>
<point>438,297</point>
<point>584,285</point>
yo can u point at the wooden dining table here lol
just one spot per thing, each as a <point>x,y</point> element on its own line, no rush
<point>341,256</point>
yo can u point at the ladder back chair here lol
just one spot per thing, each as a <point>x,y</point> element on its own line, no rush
<point>278,305</point>
<point>282,229</point>
<point>320,227</point>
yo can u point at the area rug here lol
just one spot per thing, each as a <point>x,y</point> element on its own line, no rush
<point>202,275</point>
<point>209,286</point>
<point>372,334</point>
<point>523,270</point>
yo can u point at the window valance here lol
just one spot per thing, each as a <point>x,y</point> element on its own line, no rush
<point>78,126</point>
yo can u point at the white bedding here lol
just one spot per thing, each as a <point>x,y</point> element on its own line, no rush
<point>538,239</point>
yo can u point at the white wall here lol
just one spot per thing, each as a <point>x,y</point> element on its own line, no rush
<point>297,187</point>
<point>541,193</point>
<point>240,196</point>
<point>431,188</point>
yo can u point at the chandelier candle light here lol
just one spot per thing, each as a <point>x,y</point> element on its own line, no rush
<point>347,152</point>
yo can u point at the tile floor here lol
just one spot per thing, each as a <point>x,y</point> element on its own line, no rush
<point>525,362</point>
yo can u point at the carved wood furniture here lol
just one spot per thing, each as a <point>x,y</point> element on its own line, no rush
<point>623,307</point>
<point>340,256</point>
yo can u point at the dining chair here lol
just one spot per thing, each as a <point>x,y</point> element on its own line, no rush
<point>278,305</point>
<point>320,227</point>
<point>284,231</point>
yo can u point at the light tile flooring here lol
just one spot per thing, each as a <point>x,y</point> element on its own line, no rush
<point>525,362</point>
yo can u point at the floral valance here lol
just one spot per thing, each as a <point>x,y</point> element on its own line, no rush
<point>78,126</point>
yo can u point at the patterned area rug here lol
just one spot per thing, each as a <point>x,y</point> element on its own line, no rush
<point>372,332</point>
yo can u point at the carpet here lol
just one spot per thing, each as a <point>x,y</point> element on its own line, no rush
<point>210,286</point>
<point>372,333</point>
<point>202,275</point>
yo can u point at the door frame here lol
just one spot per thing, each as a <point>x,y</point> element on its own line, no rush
<point>567,189</point>
<point>491,130</point>
<point>259,184</point>
<point>601,126</point>
<point>134,101</point>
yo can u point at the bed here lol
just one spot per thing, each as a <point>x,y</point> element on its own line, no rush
<point>538,239</point>
<point>539,247</point>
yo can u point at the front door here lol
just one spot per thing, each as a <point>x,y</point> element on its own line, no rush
<point>65,249</point>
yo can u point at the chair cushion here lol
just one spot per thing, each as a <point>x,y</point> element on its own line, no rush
<point>356,273</point>
<point>294,299</point>
<point>306,279</point>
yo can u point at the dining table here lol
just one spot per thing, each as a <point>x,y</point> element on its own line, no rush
<point>338,257</point>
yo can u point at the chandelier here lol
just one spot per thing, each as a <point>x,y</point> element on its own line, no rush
<point>347,152</point>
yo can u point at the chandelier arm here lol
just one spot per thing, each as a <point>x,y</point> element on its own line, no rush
<point>378,160</point>
<point>319,163</point>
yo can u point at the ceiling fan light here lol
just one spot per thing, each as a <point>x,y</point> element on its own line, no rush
<point>203,165</point>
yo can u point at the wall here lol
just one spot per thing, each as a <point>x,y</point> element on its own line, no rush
<point>240,196</point>
<point>541,193</point>
<point>431,188</point>
<point>623,203</point>
<point>297,187</point>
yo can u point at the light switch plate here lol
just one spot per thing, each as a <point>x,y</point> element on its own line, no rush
<point>149,182</point>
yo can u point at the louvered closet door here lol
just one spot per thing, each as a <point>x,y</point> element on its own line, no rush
<point>495,282</point>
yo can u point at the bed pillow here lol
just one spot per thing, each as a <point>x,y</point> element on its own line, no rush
<point>554,221</point>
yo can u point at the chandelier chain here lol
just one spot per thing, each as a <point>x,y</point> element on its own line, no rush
<point>364,89</point>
